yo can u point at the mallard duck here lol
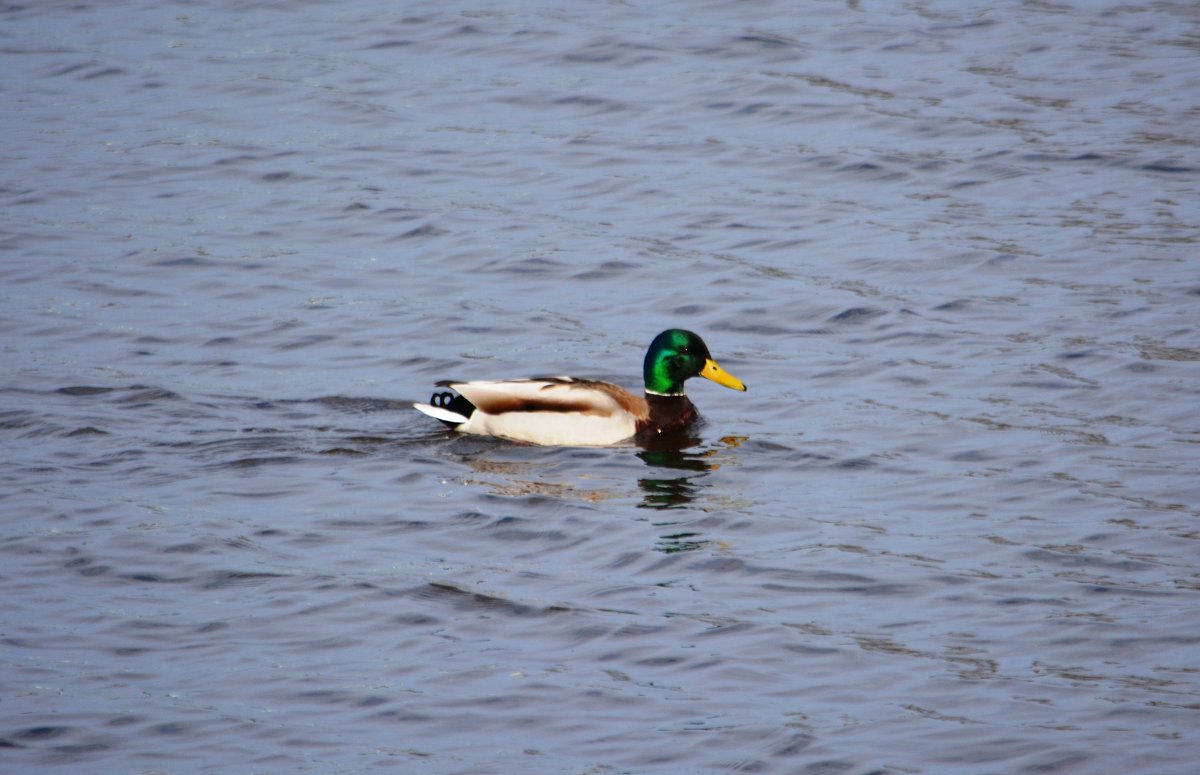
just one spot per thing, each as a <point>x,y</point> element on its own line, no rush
<point>581,412</point>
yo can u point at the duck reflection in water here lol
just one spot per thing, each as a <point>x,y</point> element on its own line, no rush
<point>673,452</point>
<point>676,491</point>
<point>658,492</point>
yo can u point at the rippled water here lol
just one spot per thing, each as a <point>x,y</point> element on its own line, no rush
<point>950,247</point>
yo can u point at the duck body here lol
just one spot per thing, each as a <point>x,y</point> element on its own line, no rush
<point>567,411</point>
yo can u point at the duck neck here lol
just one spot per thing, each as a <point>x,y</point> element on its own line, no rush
<point>669,412</point>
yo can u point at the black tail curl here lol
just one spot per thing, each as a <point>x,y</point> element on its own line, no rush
<point>453,402</point>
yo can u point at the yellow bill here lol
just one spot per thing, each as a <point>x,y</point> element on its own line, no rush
<point>714,372</point>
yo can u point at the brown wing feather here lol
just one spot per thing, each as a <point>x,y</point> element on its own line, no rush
<point>551,394</point>
<point>635,405</point>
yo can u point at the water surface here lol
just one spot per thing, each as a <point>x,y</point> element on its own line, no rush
<point>950,247</point>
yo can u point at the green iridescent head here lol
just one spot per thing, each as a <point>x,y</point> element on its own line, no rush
<point>674,357</point>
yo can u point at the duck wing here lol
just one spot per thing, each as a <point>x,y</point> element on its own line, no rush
<point>549,394</point>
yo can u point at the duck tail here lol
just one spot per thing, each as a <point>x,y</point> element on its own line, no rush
<point>452,409</point>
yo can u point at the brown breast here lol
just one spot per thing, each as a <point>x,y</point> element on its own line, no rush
<point>669,415</point>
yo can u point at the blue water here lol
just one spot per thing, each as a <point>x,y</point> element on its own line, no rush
<point>950,248</point>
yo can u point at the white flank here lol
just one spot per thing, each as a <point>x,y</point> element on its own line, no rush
<point>568,429</point>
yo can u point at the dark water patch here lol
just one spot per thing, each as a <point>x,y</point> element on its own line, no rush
<point>406,717</point>
<point>467,30</point>
<point>972,456</point>
<point>85,431</point>
<point>753,108</point>
<point>305,341</point>
<point>102,72</point>
<point>389,44</point>
<point>85,390</point>
<point>38,734</point>
<point>1097,157</point>
<point>70,69</point>
<point>71,752</point>
<point>189,262</point>
<point>416,620</point>
<point>423,231</point>
<point>862,167</point>
<point>171,728</point>
<point>150,339</point>
<point>531,267</point>
<point>19,419</point>
<point>770,40</point>
<point>1078,557</point>
<point>391,525</point>
<point>240,159</point>
<point>613,52</point>
<point>465,600</point>
<point>606,270</point>
<point>855,464</point>
<point>470,518</point>
<point>258,462</point>
<point>402,214</point>
<point>193,547</point>
<point>812,583</point>
<point>639,631</point>
<point>227,579</point>
<point>155,578</point>
<point>339,697</point>
<point>370,441</point>
<point>916,337</point>
<point>767,46</point>
<point>957,305</point>
<point>116,459</point>
<point>123,721</point>
<point>1049,385</point>
<point>360,405</point>
<point>592,106</point>
<point>856,315</point>
<point>280,177</point>
<point>140,397</point>
<point>1168,167</point>
<point>524,535</point>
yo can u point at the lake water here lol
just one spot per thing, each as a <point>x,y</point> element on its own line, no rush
<point>951,247</point>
